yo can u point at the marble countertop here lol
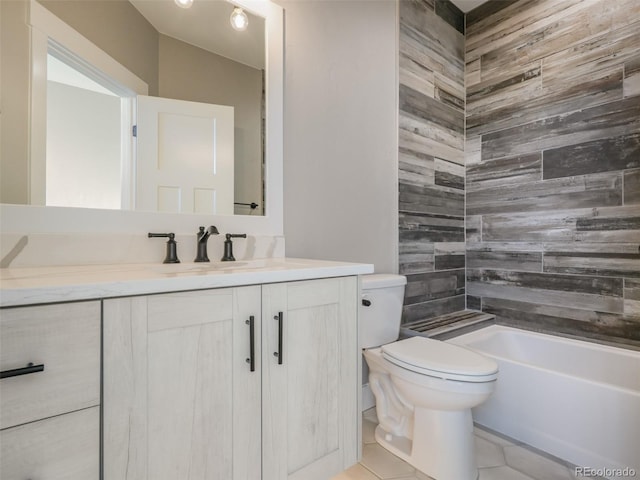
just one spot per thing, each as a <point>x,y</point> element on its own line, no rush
<point>33,285</point>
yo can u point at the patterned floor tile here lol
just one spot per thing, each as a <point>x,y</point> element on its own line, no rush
<point>357,472</point>
<point>536,466</point>
<point>488,454</point>
<point>502,473</point>
<point>383,463</point>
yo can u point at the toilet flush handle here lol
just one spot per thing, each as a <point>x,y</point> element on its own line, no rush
<point>366,302</point>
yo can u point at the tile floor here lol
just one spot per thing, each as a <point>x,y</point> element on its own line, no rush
<point>498,459</point>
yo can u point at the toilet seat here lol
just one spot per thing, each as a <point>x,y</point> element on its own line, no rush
<point>441,360</point>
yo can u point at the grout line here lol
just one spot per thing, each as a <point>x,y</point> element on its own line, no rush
<point>464,156</point>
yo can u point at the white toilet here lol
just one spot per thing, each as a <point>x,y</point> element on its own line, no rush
<point>424,388</point>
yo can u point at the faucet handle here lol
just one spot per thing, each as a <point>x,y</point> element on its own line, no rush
<point>172,246</point>
<point>228,246</point>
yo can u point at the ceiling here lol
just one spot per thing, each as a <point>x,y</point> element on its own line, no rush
<point>206,25</point>
<point>467,5</point>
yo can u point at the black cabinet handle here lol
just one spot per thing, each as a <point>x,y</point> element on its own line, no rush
<point>252,344</point>
<point>279,352</point>
<point>16,372</point>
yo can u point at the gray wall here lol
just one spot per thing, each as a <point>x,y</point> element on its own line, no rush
<point>553,166</point>
<point>431,157</point>
<point>14,102</point>
<point>340,145</point>
<point>117,28</point>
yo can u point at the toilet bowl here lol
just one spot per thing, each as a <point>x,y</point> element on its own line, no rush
<point>424,388</point>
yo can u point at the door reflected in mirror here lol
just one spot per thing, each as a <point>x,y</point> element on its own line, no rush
<point>191,161</point>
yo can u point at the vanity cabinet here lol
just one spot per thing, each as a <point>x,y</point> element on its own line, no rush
<point>310,406</point>
<point>50,391</point>
<point>248,383</point>
<point>180,399</point>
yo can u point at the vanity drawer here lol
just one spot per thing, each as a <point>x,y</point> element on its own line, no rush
<point>65,339</point>
<point>66,447</point>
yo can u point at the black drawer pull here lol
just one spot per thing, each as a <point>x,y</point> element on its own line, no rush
<point>16,372</point>
<point>252,344</point>
<point>279,353</point>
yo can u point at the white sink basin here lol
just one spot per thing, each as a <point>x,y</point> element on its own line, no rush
<point>195,268</point>
<point>213,268</point>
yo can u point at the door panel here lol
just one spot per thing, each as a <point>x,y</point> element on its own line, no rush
<point>190,395</point>
<point>310,400</point>
<point>185,156</point>
<point>180,400</point>
<point>313,362</point>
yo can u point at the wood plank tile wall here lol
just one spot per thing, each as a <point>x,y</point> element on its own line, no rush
<point>431,157</point>
<point>553,165</point>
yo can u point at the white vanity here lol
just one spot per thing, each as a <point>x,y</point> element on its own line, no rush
<point>216,371</point>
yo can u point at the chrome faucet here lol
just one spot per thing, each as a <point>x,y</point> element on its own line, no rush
<point>203,236</point>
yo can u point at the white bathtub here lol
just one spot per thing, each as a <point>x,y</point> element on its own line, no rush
<point>576,400</point>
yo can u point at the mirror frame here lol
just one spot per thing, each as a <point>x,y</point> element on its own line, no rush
<point>26,219</point>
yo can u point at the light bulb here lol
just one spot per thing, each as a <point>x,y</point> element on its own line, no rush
<point>239,20</point>
<point>184,3</point>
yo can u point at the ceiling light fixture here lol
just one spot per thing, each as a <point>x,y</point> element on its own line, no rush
<point>239,20</point>
<point>184,3</point>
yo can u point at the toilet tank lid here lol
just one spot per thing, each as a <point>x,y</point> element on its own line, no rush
<point>382,280</point>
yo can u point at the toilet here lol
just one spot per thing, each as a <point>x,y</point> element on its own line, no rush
<point>424,388</point>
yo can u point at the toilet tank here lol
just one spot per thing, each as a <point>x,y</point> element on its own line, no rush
<point>380,320</point>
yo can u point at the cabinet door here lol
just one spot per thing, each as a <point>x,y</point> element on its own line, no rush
<point>64,447</point>
<point>180,399</point>
<point>310,407</point>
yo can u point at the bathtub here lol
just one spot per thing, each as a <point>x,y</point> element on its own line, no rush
<point>578,401</point>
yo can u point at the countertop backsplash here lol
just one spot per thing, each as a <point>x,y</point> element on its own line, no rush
<point>42,250</point>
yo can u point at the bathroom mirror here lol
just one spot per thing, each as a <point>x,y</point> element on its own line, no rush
<point>256,161</point>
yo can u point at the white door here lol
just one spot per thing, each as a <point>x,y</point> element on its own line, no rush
<point>185,157</point>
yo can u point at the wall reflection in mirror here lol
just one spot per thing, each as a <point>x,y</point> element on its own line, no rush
<point>193,143</point>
